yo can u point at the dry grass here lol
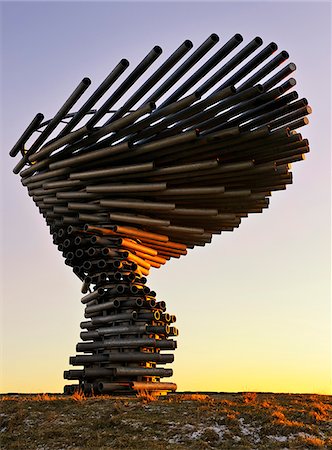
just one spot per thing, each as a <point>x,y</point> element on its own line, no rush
<point>179,421</point>
<point>147,396</point>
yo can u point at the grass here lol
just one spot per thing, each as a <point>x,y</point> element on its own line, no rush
<point>179,421</point>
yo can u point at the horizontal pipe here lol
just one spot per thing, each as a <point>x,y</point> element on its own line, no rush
<point>133,168</point>
<point>137,205</point>
<point>138,220</point>
<point>153,386</point>
<point>113,304</point>
<point>123,188</point>
<point>114,318</point>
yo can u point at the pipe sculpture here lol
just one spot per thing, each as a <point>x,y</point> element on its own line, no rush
<point>124,191</point>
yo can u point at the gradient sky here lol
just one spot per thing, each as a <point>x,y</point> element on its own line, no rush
<point>253,307</point>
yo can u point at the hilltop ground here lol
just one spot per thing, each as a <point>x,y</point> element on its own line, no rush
<point>179,421</point>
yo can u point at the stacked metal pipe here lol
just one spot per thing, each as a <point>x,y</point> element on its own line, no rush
<point>189,151</point>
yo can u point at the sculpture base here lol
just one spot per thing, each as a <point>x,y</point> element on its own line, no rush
<point>123,339</point>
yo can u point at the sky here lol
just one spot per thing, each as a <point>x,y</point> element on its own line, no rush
<point>253,308</point>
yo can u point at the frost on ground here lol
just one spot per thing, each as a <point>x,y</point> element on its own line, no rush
<point>180,421</point>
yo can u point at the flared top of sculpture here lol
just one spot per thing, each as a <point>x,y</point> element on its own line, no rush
<point>192,149</point>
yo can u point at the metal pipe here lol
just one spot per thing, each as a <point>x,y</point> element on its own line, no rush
<point>153,79</point>
<point>230,65</point>
<point>134,168</point>
<point>114,318</point>
<point>265,70</point>
<point>30,154</point>
<point>32,127</point>
<point>283,73</point>
<point>125,85</point>
<point>204,69</point>
<point>99,92</point>
<point>252,64</point>
<point>187,65</point>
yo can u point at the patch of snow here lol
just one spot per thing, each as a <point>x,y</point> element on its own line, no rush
<point>277,438</point>
<point>249,430</point>
<point>236,438</point>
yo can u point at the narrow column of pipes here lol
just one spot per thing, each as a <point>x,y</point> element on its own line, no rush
<point>126,330</point>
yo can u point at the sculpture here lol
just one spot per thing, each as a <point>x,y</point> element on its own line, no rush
<point>153,181</point>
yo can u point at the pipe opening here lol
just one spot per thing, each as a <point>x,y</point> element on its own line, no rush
<point>124,62</point>
<point>158,50</point>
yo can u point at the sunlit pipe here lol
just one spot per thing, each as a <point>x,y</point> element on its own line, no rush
<point>30,154</point>
<point>32,127</point>
<point>167,245</point>
<point>204,69</point>
<point>99,92</point>
<point>158,259</point>
<point>140,233</point>
<point>138,260</point>
<point>125,85</point>
<point>155,386</point>
<point>187,65</point>
<point>126,243</point>
<point>153,79</point>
